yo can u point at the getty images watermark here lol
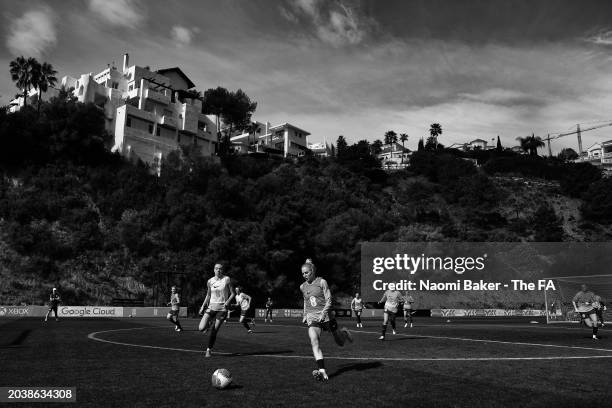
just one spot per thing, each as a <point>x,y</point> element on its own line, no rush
<point>469,267</point>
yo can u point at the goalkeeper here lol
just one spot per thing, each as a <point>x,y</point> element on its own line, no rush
<point>583,303</point>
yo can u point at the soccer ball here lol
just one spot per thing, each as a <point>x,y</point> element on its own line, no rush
<point>221,378</point>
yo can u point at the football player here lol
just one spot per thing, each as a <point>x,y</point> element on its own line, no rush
<point>54,301</point>
<point>357,308</point>
<point>392,299</point>
<point>244,302</point>
<point>175,307</point>
<point>583,305</point>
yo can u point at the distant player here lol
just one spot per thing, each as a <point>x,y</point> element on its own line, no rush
<point>600,307</point>
<point>408,312</point>
<point>583,304</point>
<point>175,308</point>
<point>219,295</point>
<point>269,304</point>
<point>357,308</point>
<point>392,299</point>
<point>317,315</point>
<point>244,302</point>
<point>54,301</point>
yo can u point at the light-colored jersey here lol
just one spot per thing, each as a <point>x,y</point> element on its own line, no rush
<point>175,301</point>
<point>584,298</point>
<point>244,301</point>
<point>408,301</point>
<point>316,305</point>
<point>357,304</point>
<point>393,299</point>
<point>219,292</point>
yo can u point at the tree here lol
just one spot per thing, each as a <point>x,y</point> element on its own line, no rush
<point>253,128</point>
<point>530,144</point>
<point>234,109</point>
<point>568,154</point>
<point>377,147</point>
<point>435,130</point>
<point>390,137</point>
<point>403,138</point>
<point>341,146</point>
<point>22,73</point>
<point>421,145</point>
<point>43,79</point>
<point>499,147</point>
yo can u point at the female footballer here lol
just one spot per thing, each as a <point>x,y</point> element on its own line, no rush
<point>219,295</point>
<point>392,299</point>
<point>317,305</point>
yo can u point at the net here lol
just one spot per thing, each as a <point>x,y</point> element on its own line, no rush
<point>559,307</point>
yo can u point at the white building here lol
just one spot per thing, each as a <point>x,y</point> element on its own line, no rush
<point>148,112</point>
<point>394,155</point>
<point>284,140</point>
<point>321,149</point>
<point>599,154</point>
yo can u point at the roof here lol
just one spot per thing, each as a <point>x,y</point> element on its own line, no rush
<point>291,126</point>
<point>181,74</point>
<point>478,140</point>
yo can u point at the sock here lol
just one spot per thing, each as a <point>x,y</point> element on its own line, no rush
<point>246,325</point>
<point>212,337</point>
<point>393,324</point>
<point>384,329</point>
<point>595,328</point>
<point>321,364</point>
<point>178,324</point>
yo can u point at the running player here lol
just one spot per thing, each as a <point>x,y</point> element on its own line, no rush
<point>583,304</point>
<point>175,307</point>
<point>408,301</point>
<point>392,299</point>
<point>600,307</point>
<point>269,304</point>
<point>357,308</point>
<point>219,295</point>
<point>54,301</point>
<point>244,302</point>
<point>317,305</point>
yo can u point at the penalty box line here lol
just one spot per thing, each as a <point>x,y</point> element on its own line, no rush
<point>94,336</point>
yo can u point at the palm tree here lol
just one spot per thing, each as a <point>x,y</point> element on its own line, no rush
<point>531,144</point>
<point>253,128</point>
<point>435,130</point>
<point>403,138</point>
<point>22,73</point>
<point>390,137</point>
<point>44,78</point>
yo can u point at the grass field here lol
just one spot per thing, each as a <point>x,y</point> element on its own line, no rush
<point>465,363</point>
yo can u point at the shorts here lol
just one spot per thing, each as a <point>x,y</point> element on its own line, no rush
<point>329,325</point>
<point>173,312</point>
<point>390,313</point>
<point>216,314</point>
<point>357,311</point>
<point>587,314</point>
<point>53,307</point>
<point>250,312</point>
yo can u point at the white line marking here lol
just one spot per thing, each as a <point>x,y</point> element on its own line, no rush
<point>93,336</point>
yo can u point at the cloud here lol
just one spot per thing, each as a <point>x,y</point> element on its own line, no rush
<point>601,38</point>
<point>335,23</point>
<point>126,13</point>
<point>504,97</point>
<point>32,34</point>
<point>183,35</point>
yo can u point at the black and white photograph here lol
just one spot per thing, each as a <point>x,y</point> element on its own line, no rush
<point>305,203</point>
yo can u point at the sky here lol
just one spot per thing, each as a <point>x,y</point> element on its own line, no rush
<point>358,68</point>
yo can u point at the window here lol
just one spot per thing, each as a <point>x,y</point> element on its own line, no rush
<point>128,122</point>
<point>201,126</point>
<point>158,131</point>
<point>115,85</point>
<point>130,87</point>
<point>151,128</point>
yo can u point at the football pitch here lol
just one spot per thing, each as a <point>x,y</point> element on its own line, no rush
<point>464,363</point>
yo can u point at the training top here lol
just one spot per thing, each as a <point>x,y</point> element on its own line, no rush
<point>315,301</point>
<point>243,300</point>
<point>393,299</point>
<point>584,298</point>
<point>54,299</point>
<point>175,301</point>
<point>219,292</point>
<point>408,301</point>
<point>357,304</point>
<point>269,304</point>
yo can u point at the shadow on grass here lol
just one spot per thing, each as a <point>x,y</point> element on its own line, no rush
<point>17,340</point>
<point>260,353</point>
<point>356,367</point>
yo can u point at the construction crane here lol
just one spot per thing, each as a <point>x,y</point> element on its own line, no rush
<point>577,132</point>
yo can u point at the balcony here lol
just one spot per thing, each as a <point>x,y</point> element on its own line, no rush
<point>132,94</point>
<point>167,120</point>
<point>156,96</point>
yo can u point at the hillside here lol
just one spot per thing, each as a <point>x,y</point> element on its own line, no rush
<point>74,216</point>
